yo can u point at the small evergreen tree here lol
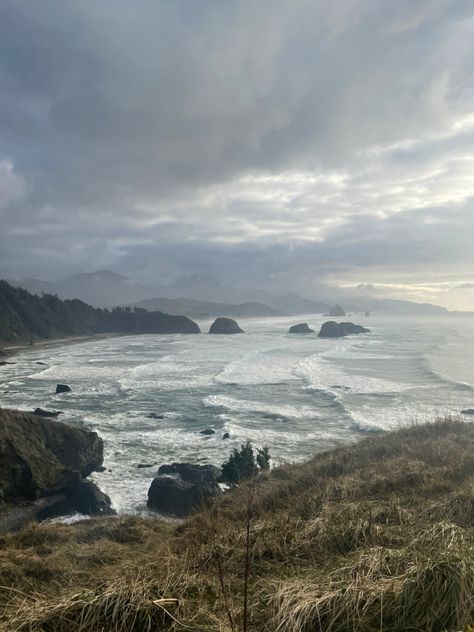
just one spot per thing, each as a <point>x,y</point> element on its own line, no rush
<point>242,464</point>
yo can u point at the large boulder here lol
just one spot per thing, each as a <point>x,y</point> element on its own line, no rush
<point>40,412</point>
<point>191,473</point>
<point>62,388</point>
<point>302,328</point>
<point>336,311</point>
<point>41,457</point>
<point>86,498</point>
<point>174,496</point>
<point>331,329</point>
<point>225,326</point>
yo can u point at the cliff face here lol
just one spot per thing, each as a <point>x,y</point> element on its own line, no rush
<point>40,457</point>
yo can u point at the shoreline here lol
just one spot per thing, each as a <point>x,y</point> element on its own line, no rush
<point>47,343</point>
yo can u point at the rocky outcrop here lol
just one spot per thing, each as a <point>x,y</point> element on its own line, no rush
<point>225,326</point>
<point>191,473</point>
<point>41,457</point>
<point>181,488</point>
<point>467,411</point>
<point>40,412</point>
<point>302,328</point>
<point>208,432</point>
<point>337,311</point>
<point>331,329</point>
<point>160,323</point>
<point>86,498</point>
<point>62,388</point>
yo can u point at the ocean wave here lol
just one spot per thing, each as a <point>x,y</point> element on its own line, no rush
<point>262,407</point>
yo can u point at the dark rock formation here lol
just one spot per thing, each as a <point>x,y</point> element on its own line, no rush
<point>4,362</point>
<point>467,411</point>
<point>42,363</point>
<point>191,473</point>
<point>302,328</point>
<point>331,329</point>
<point>40,412</point>
<point>225,326</point>
<point>86,498</point>
<point>208,431</point>
<point>62,388</point>
<point>181,488</point>
<point>226,435</point>
<point>337,311</point>
<point>159,323</point>
<point>155,416</point>
<point>41,457</point>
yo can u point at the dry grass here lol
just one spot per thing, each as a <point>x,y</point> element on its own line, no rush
<point>377,536</point>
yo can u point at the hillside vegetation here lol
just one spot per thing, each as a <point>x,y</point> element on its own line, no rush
<point>377,536</point>
<point>25,316</point>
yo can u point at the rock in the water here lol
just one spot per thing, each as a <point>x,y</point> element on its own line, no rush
<point>179,498</point>
<point>86,498</point>
<point>62,388</point>
<point>42,363</point>
<point>41,457</point>
<point>208,431</point>
<point>142,466</point>
<point>191,473</point>
<point>336,311</point>
<point>4,362</point>
<point>226,435</point>
<point>467,411</point>
<point>40,412</point>
<point>155,416</point>
<point>331,329</point>
<point>225,326</point>
<point>302,328</point>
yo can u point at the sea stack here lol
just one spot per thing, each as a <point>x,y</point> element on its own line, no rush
<point>302,328</point>
<point>331,329</point>
<point>337,311</point>
<point>225,326</point>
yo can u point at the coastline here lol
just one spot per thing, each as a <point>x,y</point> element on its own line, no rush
<point>47,343</point>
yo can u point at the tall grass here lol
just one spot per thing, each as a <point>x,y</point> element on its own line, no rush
<point>376,536</point>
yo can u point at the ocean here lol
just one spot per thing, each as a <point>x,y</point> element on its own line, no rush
<point>296,394</point>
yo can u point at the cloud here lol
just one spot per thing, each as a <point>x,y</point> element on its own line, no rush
<point>332,141</point>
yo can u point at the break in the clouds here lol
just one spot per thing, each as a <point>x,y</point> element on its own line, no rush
<point>271,143</point>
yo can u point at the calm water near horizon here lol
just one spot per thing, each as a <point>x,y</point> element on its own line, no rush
<point>296,394</point>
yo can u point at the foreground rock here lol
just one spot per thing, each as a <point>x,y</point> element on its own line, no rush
<point>331,329</point>
<point>181,488</point>
<point>41,459</point>
<point>302,328</point>
<point>62,388</point>
<point>225,326</point>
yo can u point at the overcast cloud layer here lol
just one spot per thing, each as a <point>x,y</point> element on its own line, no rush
<point>266,142</point>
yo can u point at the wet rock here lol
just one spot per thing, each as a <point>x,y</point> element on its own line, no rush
<point>191,473</point>
<point>179,498</point>
<point>467,411</point>
<point>142,466</point>
<point>87,498</point>
<point>155,416</point>
<point>42,457</point>
<point>331,329</point>
<point>226,435</point>
<point>62,388</point>
<point>225,326</point>
<point>302,328</point>
<point>40,412</point>
<point>208,432</point>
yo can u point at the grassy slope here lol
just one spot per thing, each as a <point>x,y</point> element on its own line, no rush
<point>373,537</point>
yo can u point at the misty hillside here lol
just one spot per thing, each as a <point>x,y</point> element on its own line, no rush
<point>202,309</point>
<point>195,294</point>
<point>25,316</point>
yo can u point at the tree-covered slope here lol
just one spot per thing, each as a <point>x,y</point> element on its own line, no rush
<point>25,316</point>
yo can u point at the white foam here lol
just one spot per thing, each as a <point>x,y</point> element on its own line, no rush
<point>249,406</point>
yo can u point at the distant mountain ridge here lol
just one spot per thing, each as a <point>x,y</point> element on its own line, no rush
<point>201,309</point>
<point>105,288</point>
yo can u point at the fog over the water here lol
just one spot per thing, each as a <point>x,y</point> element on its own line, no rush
<point>278,145</point>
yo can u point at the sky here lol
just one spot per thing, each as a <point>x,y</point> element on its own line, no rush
<point>276,144</point>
